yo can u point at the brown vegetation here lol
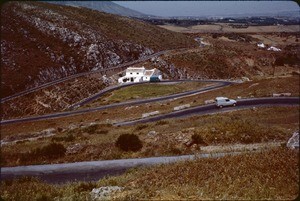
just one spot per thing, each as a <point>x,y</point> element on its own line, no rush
<point>170,137</point>
<point>268,175</point>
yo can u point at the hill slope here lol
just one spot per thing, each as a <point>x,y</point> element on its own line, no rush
<point>104,6</point>
<point>41,42</point>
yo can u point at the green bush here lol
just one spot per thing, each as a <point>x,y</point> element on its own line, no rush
<point>129,142</point>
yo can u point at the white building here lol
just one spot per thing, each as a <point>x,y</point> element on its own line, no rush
<point>272,48</point>
<point>139,74</point>
<point>261,45</point>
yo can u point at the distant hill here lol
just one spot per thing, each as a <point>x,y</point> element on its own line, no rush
<point>104,6</point>
<point>41,42</point>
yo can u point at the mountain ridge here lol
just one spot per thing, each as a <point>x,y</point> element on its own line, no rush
<point>104,6</point>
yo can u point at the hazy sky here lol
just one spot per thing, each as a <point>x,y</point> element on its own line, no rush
<point>201,8</point>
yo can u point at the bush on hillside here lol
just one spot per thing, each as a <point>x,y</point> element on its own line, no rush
<point>197,139</point>
<point>50,151</point>
<point>129,142</point>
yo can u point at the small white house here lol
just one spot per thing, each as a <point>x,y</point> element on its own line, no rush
<point>261,45</point>
<point>272,48</point>
<point>139,74</point>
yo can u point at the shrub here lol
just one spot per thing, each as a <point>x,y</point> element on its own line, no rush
<point>50,151</point>
<point>141,127</point>
<point>175,151</point>
<point>129,142</point>
<point>161,122</point>
<point>103,131</point>
<point>90,129</point>
<point>68,138</point>
<point>84,186</point>
<point>197,139</point>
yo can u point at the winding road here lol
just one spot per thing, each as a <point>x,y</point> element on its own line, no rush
<point>16,95</point>
<point>94,170</point>
<point>220,84</point>
<point>212,109</point>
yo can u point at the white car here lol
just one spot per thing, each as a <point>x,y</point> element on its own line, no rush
<point>224,101</point>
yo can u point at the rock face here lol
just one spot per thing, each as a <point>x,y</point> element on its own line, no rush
<point>104,193</point>
<point>44,42</point>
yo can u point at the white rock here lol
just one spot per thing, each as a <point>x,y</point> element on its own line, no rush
<point>151,133</point>
<point>181,107</point>
<point>150,114</point>
<point>209,101</point>
<point>272,48</point>
<point>104,192</point>
<point>293,141</point>
<point>245,79</point>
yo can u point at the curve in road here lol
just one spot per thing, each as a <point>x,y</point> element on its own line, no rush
<point>79,75</point>
<point>211,109</point>
<point>137,102</point>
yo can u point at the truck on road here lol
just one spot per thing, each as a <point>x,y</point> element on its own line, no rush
<point>224,101</point>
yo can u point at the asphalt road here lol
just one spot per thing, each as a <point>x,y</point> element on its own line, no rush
<point>79,75</point>
<point>212,109</point>
<point>92,170</point>
<point>220,84</point>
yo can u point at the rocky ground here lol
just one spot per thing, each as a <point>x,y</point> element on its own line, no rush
<point>45,42</point>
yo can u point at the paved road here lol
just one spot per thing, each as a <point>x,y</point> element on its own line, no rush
<point>220,84</point>
<point>80,75</point>
<point>212,109</point>
<point>92,170</point>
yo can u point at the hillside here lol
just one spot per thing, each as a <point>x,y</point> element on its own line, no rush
<point>104,6</point>
<point>232,56</point>
<point>41,42</point>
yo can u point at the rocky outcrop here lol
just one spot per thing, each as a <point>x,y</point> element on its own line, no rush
<point>45,42</point>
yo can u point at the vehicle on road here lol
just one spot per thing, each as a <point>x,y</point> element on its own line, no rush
<point>224,101</point>
<point>154,79</point>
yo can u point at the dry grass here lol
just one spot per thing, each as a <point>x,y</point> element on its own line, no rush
<point>269,175</point>
<point>147,91</point>
<point>28,189</point>
<point>256,88</point>
<point>224,28</point>
<point>97,142</point>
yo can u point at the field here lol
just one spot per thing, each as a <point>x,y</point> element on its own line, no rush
<point>151,90</point>
<point>224,28</point>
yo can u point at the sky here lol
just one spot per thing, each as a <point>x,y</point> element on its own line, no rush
<point>208,8</point>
